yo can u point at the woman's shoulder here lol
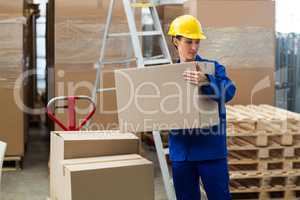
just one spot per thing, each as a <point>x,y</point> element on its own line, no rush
<point>201,59</point>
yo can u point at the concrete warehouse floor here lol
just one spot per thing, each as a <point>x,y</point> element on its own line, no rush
<point>32,183</point>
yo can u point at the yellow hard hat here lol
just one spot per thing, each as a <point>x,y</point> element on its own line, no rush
<point>186,26</point>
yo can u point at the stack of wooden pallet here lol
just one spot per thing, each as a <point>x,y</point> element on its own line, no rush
<point>263,143</point>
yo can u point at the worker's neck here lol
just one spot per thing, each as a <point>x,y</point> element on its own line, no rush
<point>182,59</point>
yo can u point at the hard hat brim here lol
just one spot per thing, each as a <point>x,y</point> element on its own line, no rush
<point>190,36</point>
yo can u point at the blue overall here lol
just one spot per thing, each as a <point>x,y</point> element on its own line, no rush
<point>203,152</point>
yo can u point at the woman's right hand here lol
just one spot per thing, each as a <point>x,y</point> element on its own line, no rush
<point>195,77</point>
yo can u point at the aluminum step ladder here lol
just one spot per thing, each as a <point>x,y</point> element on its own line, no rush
<point>141,61</point>
<point>133,34</point>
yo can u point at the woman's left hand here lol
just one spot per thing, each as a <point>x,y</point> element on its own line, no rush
<point>195,77</point>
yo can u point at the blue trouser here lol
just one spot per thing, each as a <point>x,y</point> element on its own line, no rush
<point>213,173</point>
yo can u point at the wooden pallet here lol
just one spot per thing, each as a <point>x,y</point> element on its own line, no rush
<point>251,118</point>
<point>13,163</point>
<point>262,139</point>
<point>270,181</point>
<point>285,187</point>
<point>248,165</point>
<point>267,174</point>
<point>264,146</point>
<point>240,116</point>
<point>272,194</point>
<point>254,153</point>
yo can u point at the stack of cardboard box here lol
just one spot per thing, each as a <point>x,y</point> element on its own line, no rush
<point>79,28</point>
<point>93,165</point>
<point>14,60</point>
<point>241,36</point>
<point>167,14</point>
<point>11,7</point>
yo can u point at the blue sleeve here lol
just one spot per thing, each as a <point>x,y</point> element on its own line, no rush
<point>220,87</point>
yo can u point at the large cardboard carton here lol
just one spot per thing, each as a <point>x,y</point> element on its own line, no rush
<point>168,13</point>
<point>79,79</point>
<point>85,144</point>
<point>82,76</point>
<point>11,39</point>
<point>69,8</point>
<point>15,58</point>
<point>158,98</point>
<point>254,85</point>
<point>12,123</point>
<point>233,13</point>
<point>240,33</point>
<point>232,45</point>
<point>91,8</point>
<point>100,178</point>
<point>80,41</point>
<point>13,7</point>
<point>79,29</point>
<point>236,47</point>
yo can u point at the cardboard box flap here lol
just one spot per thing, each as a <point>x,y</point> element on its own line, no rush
<point>95,135</point>
<point>96,143</point>
<point>12,20</point>
<point>95,160</point>
<point>206,67</point>
<point>108,164</point>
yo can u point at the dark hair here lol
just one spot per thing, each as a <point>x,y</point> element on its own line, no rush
<point>178,37</point>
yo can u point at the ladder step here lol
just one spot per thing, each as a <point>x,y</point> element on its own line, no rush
<point>119,61</point>
<point>156,61</point>
<point>149,33</point>
<point>105,89</point>
<point>118,34</point>
<point>154,57</point>
<point>142,5</point>
<point>144,33</point>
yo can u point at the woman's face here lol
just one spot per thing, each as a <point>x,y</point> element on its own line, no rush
<point>187,48</point>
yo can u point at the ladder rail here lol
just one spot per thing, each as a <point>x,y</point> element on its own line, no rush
<point>169,188</point>
<point>134,36</point>
<point>163,42</point>
<point>99,63</point>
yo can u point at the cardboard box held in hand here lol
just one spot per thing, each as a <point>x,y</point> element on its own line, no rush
<point>158,98</point>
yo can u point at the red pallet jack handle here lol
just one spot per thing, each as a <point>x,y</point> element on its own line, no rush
<point>71,111</point>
